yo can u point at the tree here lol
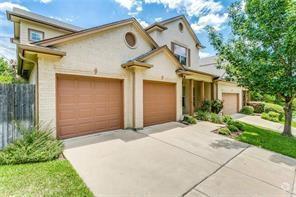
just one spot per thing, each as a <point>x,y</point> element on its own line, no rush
<point>261,51</point>
<point>8,73</point>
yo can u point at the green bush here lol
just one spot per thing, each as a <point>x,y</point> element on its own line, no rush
<point>227,119</point>
<point>189,119</point>
<point>248,110</point>
<point>233,128</point>
<point>215,118</point>
<point>270,107</point>
<point>258,106</point>
<point>224,131</point>
<point>202,115</point>
<point>216,106</point>
<point>238,125</point>
<point>272,116</point>
<point>36,145</point>
<point>206,106</point>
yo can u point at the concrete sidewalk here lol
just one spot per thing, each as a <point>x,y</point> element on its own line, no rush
<point>177,160</point>
<point>258,121</point>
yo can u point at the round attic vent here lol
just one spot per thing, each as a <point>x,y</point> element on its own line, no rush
<point>181,27</point>
<point>130,39</point>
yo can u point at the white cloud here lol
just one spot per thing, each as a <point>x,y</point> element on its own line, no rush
<point>9,6</point>
<point>142,22</point>
<point>128,4</point>
<point>45,1</point>
<point>158,19</point>
<point>214,20</point>
<point>7,49</point>
<point>191,7</point>
<point>204,54</point>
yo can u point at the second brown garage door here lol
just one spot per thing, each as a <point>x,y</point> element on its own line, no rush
<point>88,105</point>
<point>159,102</point>
<point>230,103</point>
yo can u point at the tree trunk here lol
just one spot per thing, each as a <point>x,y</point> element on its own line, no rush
<point>288,117</point>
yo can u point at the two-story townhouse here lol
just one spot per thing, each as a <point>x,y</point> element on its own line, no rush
<point>112,76</point>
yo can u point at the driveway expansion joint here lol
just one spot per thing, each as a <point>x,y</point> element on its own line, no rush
<point>293,184</point>
<point>214,172</point>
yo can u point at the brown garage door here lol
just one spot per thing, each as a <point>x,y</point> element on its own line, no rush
<point>87,105</point>
<point>230,103</point>
<point>159,102</point>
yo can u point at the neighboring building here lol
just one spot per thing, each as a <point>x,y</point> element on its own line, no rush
<point>115,76</point>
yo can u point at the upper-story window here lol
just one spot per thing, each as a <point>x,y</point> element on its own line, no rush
<point>35,35</point>
<point>182,54</point>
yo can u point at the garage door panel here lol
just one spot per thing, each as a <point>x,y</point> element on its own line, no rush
<point>159,102</point>
<point>88,105</point>
<point>230,103</point>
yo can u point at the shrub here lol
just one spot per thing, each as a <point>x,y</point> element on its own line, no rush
<point>36,145</point>
<point>233,128</point>
<point>217,106</point>
<point>202,115</point>
<point>274,108</point>
<point>272,116</point>
<point>227,119</point>
<point>189,119</point>
<point>224,131</point>
<point>238,125</point>
<point>265,116</point>
<point>206,106</point>
<point>248,110</point>
<point>258,106</point>
<point>215,118</point>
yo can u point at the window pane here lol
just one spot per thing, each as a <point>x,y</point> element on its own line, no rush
<point>35,36</point>
<point>180,50</point>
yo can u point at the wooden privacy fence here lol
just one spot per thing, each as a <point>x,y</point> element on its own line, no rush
<point>16,106</point>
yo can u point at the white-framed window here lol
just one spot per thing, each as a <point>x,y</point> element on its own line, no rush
<point>182,54</point>
<point>35,35</point>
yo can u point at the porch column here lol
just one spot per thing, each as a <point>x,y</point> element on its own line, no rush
<point>191,107</point>
<point>212,91</point>
<point>138,98</point>
<point>202,91</point>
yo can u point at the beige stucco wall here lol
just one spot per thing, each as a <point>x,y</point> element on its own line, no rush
<point>104,52</point>
<point>229,87</point>
<point>172,34</point>
<point>48,32</point>
<point>33,76</point>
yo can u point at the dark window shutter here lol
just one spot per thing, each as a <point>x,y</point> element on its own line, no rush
<point>189,58</point>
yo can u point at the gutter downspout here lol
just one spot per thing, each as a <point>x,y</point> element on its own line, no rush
<point>36,88</point>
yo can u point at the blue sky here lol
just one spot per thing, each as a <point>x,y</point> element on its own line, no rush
<point>89,13</point>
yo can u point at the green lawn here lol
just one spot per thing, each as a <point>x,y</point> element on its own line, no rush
<point>54,178</point>
<point>269,140</point>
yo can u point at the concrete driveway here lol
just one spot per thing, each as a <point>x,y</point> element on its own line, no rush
<point>176,160</point>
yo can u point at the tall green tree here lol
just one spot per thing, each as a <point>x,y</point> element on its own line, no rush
<point>8,73</point>
<point>261,51</point>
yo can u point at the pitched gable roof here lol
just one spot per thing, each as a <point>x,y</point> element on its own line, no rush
<point>162,24</point>
<point>64,38</point>
<point>153,52</point>
<point>23,14</point>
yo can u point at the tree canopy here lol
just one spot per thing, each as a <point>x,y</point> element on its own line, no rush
<point>261,53</point>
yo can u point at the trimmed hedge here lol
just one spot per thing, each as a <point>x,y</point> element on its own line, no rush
<point>270,107</point>
<point>248,110</point>
<point>258,106</point>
